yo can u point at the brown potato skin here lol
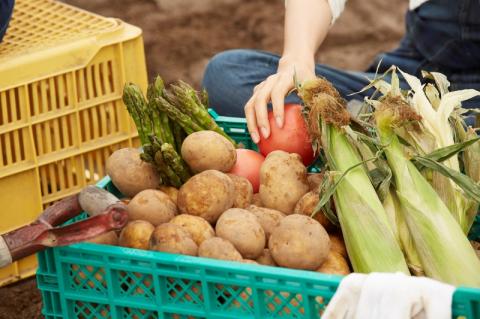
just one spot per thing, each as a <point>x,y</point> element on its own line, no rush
<point>170,238</point>
<point>266,258</point>
<point>129,173</point>
<point>268,219</point>
<point>335,264</point>
<point>315,181</point>
<point>283,181</point>
<point>299,242</point>
<point>207,194</point>
<point>153,206</point>
<point>172,192</point>
<point>243,191</point>
<point>256,200</point>
<point>338,245</point>
<point>136,234</point>
<point>249,261</point>
<point>219,248</point>
<point>243,230</point>
<point>198,228</point>
<point>206,150</point>
<point>306,206</point>
<point>109,238</point>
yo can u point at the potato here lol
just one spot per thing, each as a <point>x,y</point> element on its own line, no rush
<point>205,150</point>
<point>299,242</point>
<point>315,180</point>
<point>198,228</point>
<point>129,173</point>
<point>283,181</point>
<point>306,205</point>
<point>243,191</point>
<point>243,230</point>
<point>153,206</point>
<point>219,248</point>
<point>268,218</point>
<point>136,234</point>
<point>249,261</point>
<point>109,238</point>
<point>266,258</point>
<point>172,192</point>
<point>207,194</point>
<point>171,238</point>
<point>335,264</point>
<point>256,200</point>
<point>337,244</point>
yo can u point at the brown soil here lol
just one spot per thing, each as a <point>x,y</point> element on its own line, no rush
<point>181,37</point>
<point>20,300</point>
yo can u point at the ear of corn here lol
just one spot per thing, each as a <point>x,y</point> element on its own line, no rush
<point>436,105</point>
<point>444,250</point>
<point>368,237</point>
<point>397,221</point>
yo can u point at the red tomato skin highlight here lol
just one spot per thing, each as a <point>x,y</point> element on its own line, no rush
<point>248,165</point>
<point>293,137</point>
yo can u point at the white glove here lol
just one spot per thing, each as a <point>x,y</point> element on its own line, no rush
<point>388,295</point>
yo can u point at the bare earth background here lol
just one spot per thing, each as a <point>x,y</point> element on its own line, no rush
<point>181,35</point>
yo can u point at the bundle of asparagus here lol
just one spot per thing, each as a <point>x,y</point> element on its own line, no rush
<point>163,121</point>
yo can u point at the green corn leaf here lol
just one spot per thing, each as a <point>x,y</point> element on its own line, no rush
<point>444,153</point>
<point>463,181</point>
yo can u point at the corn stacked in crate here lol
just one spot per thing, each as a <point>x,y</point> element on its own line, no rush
<point>62,72</point>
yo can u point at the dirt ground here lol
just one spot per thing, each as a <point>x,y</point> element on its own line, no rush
<point>181,35</point>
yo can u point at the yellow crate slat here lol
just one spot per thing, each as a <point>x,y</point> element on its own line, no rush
<point>62,71</point>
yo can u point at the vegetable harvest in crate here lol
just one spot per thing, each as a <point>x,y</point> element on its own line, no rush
<point>398,191</point>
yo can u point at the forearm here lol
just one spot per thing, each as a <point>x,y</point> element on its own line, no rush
<point>306,25</point>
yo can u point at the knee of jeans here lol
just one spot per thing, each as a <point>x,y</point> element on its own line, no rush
<point>218,67</point>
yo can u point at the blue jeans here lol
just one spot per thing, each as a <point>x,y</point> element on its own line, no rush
<point>231,75</point>
<point>6,9</point>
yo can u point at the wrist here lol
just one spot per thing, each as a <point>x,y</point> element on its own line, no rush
<point>301,61</point>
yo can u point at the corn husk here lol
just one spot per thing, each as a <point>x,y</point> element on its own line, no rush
<point>443,248</point>
<point>436,105</point>
<point>399,226</point>
<point>370,241</point>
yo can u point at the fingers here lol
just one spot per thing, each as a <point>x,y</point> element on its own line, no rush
<point>261,98</point>
<point>251,120</point>
<point>279,91</point>
<point>273,89</point>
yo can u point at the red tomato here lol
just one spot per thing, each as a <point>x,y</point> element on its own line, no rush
<point>293,137</point>
<point>248,165</point>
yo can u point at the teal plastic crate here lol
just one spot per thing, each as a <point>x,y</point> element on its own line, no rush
<point>89,281</point>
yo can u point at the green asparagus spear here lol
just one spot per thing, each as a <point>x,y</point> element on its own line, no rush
<point>178,134</point>
<point>134,100</point>
<point>155,90</point>
<point>204,99</point>
<point>173,178</point>
<point>188,96</point>
<point>146,157</point>
<point>167,130</point>
<point>175,115</point>
<point>174,160</point>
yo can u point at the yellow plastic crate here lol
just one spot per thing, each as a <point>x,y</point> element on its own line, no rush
<point>62,72</point>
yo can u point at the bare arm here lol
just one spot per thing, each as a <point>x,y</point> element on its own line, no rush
<point>306,24</point>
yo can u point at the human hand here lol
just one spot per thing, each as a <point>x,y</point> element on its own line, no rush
<point>388,295</point>
<point>274,89</point>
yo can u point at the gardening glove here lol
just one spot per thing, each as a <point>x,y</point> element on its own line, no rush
<point>390,295</point>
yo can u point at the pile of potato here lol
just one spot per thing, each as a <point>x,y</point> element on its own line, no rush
<point>217,215</point>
